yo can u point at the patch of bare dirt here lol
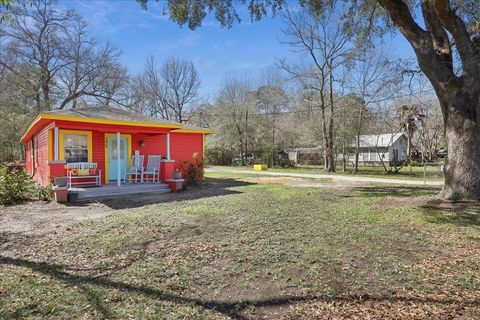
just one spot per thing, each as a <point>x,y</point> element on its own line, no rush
<point>454,206</point>
<point>39,217</point>
<point>302,182</point>
<point>405,202</point>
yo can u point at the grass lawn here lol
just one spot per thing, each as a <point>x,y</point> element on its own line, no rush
<point>433,172</point>
<point>238,248</point>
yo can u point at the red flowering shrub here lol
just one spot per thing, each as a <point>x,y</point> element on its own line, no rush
<point>192,170</point>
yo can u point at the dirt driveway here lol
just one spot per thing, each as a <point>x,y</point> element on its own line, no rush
<point>335,178</point>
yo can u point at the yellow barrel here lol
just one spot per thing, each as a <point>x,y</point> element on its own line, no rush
<point>260,167</point>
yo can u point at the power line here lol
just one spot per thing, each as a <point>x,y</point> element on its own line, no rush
<point>315,109</point>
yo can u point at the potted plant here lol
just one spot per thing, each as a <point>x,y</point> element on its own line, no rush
<point>177,175</point>
<point>60,181</point>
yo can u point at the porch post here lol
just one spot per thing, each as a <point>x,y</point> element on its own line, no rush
<point>168,145</point>
<point>119,180</point>
<point>55,144</point>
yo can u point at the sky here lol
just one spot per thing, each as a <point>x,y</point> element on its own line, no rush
<point>245,49</point>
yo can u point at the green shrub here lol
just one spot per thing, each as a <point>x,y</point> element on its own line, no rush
<point>15,185</point>
<point>44,193</point>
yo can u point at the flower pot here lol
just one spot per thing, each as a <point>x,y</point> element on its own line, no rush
<point>177,175</point>
<point>60,181</point>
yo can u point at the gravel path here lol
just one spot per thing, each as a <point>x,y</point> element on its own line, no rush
<point>341,178</point>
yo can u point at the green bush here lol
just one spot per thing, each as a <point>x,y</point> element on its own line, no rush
<point>44,193</point>
<point>15,185</point>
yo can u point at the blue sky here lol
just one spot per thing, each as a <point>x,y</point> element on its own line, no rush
<point>245,49</point>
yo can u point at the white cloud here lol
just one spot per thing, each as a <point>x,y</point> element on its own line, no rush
<point>189,40</point>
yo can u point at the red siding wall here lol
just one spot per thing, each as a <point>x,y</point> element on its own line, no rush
<point>39,167</point>
<point>184,145</point>
<point>28,156</point>
<point>98,152</point>
<point>153,145</point>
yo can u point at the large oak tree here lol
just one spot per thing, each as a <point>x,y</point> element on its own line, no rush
<point>447,47</point>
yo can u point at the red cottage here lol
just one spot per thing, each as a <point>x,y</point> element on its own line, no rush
<point>95,136</point>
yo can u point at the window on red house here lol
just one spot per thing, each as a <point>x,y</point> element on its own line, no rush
<point>75,148</point>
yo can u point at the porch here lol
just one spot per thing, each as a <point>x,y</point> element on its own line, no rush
<point>112,190</point>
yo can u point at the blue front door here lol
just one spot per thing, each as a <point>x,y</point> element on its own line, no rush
<point>113,158</point>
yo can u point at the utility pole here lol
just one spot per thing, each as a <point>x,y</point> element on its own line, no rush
<point>246,133</point>
<point>273,139</point>
<point>343,142</point>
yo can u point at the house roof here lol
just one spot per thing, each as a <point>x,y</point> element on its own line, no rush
<point>379,140</point>
<point>307,149</point>
<point>109,116</point>
<point>108,113</point>
<point>187,128</point>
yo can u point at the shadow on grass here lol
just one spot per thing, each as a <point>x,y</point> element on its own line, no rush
<point>211,187</point>
<point>235,309</point>
<point>455,213</point>
<point>394,191</point>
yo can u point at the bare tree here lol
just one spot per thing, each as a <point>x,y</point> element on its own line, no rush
<point>53,51</point>
<point>234,99</point>
<point>181,86</point>
<point>34,42</point>
<point>369,79</point>
<point>92,70</point>
<point>170,89</point>
<point>326,46</point>
<point>271,100</point>
<point>430,136</point>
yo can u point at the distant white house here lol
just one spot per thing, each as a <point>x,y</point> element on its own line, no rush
<point>389,147</point>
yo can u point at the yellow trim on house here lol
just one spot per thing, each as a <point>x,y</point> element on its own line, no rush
<point>52,116</point>
<point>34,121</point>
<point>49,145</point>
<point>204,131</point>
<point>129,150</point>
<point>203,147</point>
<point>61,142</point>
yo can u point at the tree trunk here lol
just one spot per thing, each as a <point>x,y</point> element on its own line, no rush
<point>357,153</point>
<point>331,145</point>
<point>240,140</point>
<point>459,96</point>
<point>462,167</point>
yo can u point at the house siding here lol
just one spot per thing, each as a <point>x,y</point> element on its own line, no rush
<point>98,151</point>
<point>28,156</point>
<point>37,157</point>
<point>401,146</point>
<point>184,145</point>
<point>153,145</point>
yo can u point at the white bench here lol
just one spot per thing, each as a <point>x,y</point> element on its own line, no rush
<point>83,166</point>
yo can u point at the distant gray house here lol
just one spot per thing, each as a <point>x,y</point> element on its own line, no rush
<point>389,147</point>
<point>306,156</point>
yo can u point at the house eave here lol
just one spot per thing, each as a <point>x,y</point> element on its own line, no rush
<point>204,131</point>
<point>53,117</point>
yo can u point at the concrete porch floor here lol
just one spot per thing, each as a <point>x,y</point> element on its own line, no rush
<point>112,190</point>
